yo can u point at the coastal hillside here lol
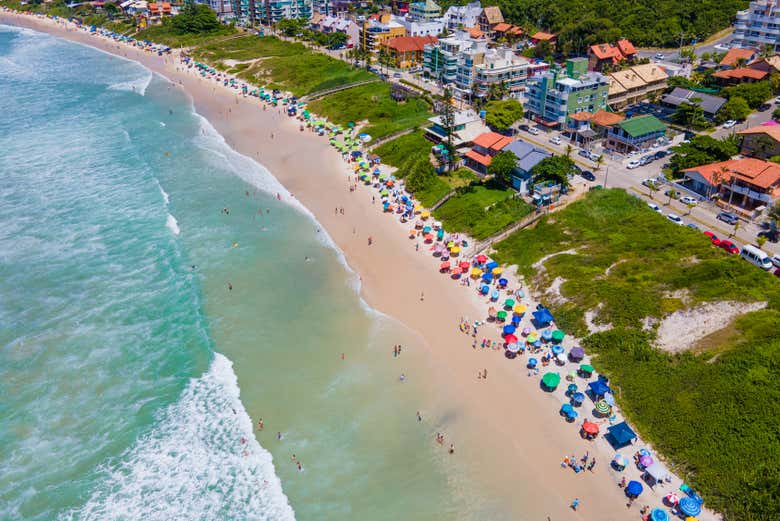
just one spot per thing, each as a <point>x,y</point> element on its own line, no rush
<point>644,22</point>
<point>636,287</point>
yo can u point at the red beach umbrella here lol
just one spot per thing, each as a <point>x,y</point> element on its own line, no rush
<point>481,259</point>
<point>510,339</point>
<point>590,428</point>
<point>445,265</point>
<point>455,271</point>
<point>464,265</point>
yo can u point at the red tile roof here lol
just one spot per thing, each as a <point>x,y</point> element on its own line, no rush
<point>479,158</point>
<point>503,26</point>
<point>762,174</point>
<point>540,36</point>
<point>492,141</point>
<point>507,29</point>
<point>581,116</point>
<point>475,32</point>
<point>741,73</point>
<point>772,131</point>
<point>730,60</point>
<point>606,119</point>
<point>605,51</point>
<point>626,47</point>
<point>409,43</point>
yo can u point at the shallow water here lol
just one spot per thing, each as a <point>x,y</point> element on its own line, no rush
<point>125,222</point>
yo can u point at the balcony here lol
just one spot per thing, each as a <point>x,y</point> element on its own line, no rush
<point>751,194</point>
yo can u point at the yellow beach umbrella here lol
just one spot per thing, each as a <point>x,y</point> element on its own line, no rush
<point>519,309</point>
<point>425,215</point>
<point>497,271</point>
<point>417,207</point>
<point>476,272</point>
<point>455,250</point>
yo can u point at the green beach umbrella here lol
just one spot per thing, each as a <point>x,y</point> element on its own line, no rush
<point>509,303</point>
<point>558,335</point>
<point>501,315</point>
<point>586,368</point>
<point>551,380</point>
<point>602,407</point>
<point>384,193</point>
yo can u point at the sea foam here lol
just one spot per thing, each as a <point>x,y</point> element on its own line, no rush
<point>137,85</point>
<point>200,462</point>
<point>172,224</point>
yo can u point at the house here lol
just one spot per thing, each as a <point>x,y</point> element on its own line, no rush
<point>467,125</point>
<point>739,75</point>
<point>635,134</point>
<point>377,30</point>
<point>528,156</point>
<point>635,84</point>
<point>770,64</point>
<point>541,36</point>
<point>603,56</point>
<point>762,141</point>
<point>424,11</point>
<point>710,104</point>
<point>331,24</point>
<point>555,96</point>
<point>489,18</point>
<point>156,11</point>
<point>627,49</point>
<point>508,32</point>
<point>462,16</point>
<point>737,57</point>
<point>486,146</point>
<point>602,121</point>
<point>407,51</point>
<point>744,184</point>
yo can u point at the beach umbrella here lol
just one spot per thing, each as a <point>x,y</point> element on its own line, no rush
<point>476,272</point>
<point>519,309</point>
<point>587,368</point>
<point>509,330</point>
<point>384,193</point>
<point>576,353</point>
<point>526,331</point>
<point>602,407</point>
<point>444,265</point>
<point>509,303</point>
<point>634,488</point>
<point>509,338</point>
<point>571,388</point>
<point>566,408</point>
<point>532,362</point>
<point>501,315</point>
<point>513,347</point>
<point>689,506</point>
<point>440,234</point>
<point>557,349</point>
<point>551,380</point>
<point>590,428</point>
<point>646,461</point>
<point>516,320</point>
<point>450,244</point>
<point>532,337</point>
<point>455,250</point>
<point>491,265</point>
<point>577,398</point>
<point>547,335</point>
<point>502,282</point>
<point>481,259</point>
<point>425,214</point>
<point>609,399</point>
<point>497,271</point>
<point>426,229</point>
<point>672,498</point>
<point>429,237</point>
<point>491,311</point>
<point>455,271</point>
<point>571,415</point>
<point>487,277</point>
<point>620,460</point>
<point>494,295</point>
<point>658,514</point>
<point>484,290</point>
<point>464,265</point>
<point>558,335</point>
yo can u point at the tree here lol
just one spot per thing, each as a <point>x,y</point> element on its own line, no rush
<point>754,93</point>
<point>691,115</point>
<point>501,115</point>
<point>735,108</point>
<point>569,149</point>
<point>690,207</point>
<point>599,161</point>
<point>555,168</point>
<point>776,114</point>
<point>761,240</point>
<point>447,113</point>
<point>195,19</point>
<point>502,165</point>
<point>543,50</point>
<point>702,150</point>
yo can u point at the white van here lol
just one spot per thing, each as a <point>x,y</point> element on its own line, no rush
<point>755,256</point>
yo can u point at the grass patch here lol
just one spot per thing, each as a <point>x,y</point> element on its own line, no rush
<point>372,102</point>
<point>167,35</point>
<point>710,412</point>
<point>481,210</point>
<point>460,177</point>
<point>400,149</point>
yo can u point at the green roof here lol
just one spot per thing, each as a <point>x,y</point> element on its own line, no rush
<point>642,125</point>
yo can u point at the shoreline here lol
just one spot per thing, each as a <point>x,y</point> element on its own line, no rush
<point>487,418</point>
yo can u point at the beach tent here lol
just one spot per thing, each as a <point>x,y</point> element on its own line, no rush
<point>656,472</point>
<point>620,435</point>
<point>551,380</point>
<point>543,316</point>
<point>689,506</point>
<point>658,514</point>
<point>598,388</point>
<point>634,488</point>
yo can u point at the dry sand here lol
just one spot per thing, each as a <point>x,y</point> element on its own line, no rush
<point>507,432</point>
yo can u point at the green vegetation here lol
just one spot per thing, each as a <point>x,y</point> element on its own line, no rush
<point>691,115</point>
<point>501,115</point>
<point>753,93</point>
<point>710,411</point>
<point>395,152</point>
<point>422,181</point>
<point>555,169</point>
<point>735,108</point>
<point>295,27</point>
<point>280,64</point>
<point>372,102</point>
<point>703,150</point>
<point>195,24</point>
<point>502,165</point>
<point>481,210</point>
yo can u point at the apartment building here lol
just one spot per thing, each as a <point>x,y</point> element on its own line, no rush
<point>271,11</point>
<point>462,16</point>
<point>635,84</point>
<point>376,31</point>
<point>758,26</point>
<point>424,11</point>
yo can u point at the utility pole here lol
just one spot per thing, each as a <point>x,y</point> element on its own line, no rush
<point>606,176</point>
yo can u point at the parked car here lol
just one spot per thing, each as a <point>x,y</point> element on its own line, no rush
<point>764,107</point>
<point>654,207</point>
<point>674,194</point>
<point>555,140</point>
<point>584,153</point>
<point>775,260</point>
<point>661,154</point>
<point>777,99</point>
<point>633,164</point>
<point>524,127</point>
<point>688,200</point>
<point>728,218</point>
<point>646,160</point>
<point>756,256</point>
<point>396,75</point>
<point>593,156</point>
<point>713,238</point>
<point>729,246</point>
<point>730,123</point>
<point>723,47</point>
<point>650,183</point>
<point>659,56</point>
<point>692,226</point>
<point>588,175</point>
<point>533,131</point>
<point>676,219</point>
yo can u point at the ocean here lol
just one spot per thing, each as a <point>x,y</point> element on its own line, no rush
<point>157,300</point>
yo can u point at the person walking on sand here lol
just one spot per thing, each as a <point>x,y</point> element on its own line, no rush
<point>419,416</point>
<point>422,296</point>
<point>452,448</point>
<point>575,504</point>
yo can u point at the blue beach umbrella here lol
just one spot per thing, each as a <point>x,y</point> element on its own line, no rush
<point>491,265</point>
<point>689,506</point>
<point>487,277</point>
<point>557,349</point>
<point>547,334</point>
<point>571,388</point>
<point>516,320</point>
<point>502,282</point>
<point>508,330</point>
<point>485,289</point>
<point>494,295</point>
<point>532,362</point>
<point>634,488</point>
<point>566,408</point>
<point>658,514</point>
<point>577,398</point>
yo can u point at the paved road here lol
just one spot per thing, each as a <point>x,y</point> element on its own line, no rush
<point>673,55</point>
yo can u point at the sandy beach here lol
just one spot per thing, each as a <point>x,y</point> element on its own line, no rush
<point>506,431</point>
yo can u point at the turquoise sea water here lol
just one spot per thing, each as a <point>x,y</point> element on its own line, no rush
<point>129,370</point>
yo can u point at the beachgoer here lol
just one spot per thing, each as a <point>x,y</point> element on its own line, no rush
<point>293,457</point>
<point>230,286</point>
<point>419,416</point>
<point>452,448</point>
<point>575,504</point>
<point>402,377</point>
<point>622,483</point>
<point>592,464</point>
<point>300,467</point>
<point>422,296</point>
<point>342,356</point>
<point>260,424</point>
<point>279,436</point>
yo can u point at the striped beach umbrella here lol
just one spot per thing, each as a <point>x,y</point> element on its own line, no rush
<point>602,407</point>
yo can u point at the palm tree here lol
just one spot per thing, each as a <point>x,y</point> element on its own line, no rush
<point>599,162</point>
<point>569,148</point>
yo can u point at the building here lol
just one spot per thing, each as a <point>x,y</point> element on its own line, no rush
<point>407,51</point>
<point>762,141</point>
<point>377,30</point>
<point>507,32</point>
<point>424,11</point>
<point>271,11</point>
<point>744,184</point>
<point>758,26</point>
<point>458,17</point>
<point>739,75</point>
<point>770,64</point>
<point>331,24</point>
<point>489,18</point>
<point>603,120</point>
<point>555,96</point>
<point>486,146</point>
<point>466,127</point>
<point>223,8</point>
<point>605,56</point>
<point>738,57</point>
<point>710,104</point>
<point>627,49</point>
<point>635,84</point>
<point>422,28</point>
<point>635,134</point>
<point>541,36</point>
<point>500,66</point>
<point>157,11</point>
<point>528,156</point>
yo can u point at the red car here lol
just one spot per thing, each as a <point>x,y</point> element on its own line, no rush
<point>729,247</point>
<point>713,238</point>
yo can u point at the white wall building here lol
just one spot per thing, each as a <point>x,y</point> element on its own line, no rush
<point>758,25</point>
<point>414,28</point>
<point>460,16</point>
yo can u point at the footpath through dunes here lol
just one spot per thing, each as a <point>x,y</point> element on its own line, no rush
<point>710,411</point>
